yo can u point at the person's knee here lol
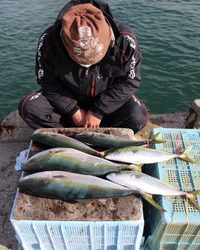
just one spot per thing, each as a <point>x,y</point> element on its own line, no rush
<point>32,110</point>
<point>138,121</point>
<point>133,114</point>
<point>28,107</point>
<point>37,112</point>
<point>26,111</point>
<point>138,115</point>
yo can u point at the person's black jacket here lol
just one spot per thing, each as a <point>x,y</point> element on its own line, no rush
<point>101,88</point>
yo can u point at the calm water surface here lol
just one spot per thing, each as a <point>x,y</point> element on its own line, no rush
<point>168,32</point>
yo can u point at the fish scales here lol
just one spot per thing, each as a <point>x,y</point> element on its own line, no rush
<point>53,140</point>
<point>143,183</point>
<point>70,186</point>
<point>147,186</point>
<point>114,141</point>
<point>107,140</point>
<point>71,160</point>
<point>141,155</point>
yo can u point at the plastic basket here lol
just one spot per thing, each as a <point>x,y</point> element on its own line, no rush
<point>79,235</point>
<point>179,227</point>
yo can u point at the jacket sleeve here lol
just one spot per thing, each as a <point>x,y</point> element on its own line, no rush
<point>59,97</point>
<point>122,87</point>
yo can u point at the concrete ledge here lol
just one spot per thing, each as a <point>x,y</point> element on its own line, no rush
<point>13,128</point>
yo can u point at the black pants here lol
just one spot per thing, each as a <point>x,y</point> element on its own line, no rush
<point>37,112</point>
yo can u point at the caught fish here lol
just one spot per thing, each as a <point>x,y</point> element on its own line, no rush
<point>141,155</point>
<point>70,186</point>
<point>113,141</point>
<point>71,160</point>
<point>53,140</point>
<point>147,186</point>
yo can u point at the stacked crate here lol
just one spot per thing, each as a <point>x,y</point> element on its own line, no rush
<point>179,227</point>
<point>79,235</point>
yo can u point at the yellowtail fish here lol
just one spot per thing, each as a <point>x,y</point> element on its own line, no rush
<point>147,186</point>
<point>71,160</point>
<point>141,155</point>
<point>70,186</point>
<point>112,141</point>
<point>53,140</point>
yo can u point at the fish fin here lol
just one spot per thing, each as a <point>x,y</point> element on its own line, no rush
<point>149,198</point>
<point>184,155</point>
<point>144,145</point>
<point>105,152</point>
<point>137,167</point>
<point>192,197</point>
<point>101,154</point>
<point>154,139</point>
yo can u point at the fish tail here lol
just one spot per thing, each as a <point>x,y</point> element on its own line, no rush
<point>149,198</point>
<point>137,167</point>
<point>184,155</point>
<point>154,139</point>
<point>192,198</point>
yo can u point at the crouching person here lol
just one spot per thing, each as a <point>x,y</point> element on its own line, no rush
<point>88,67</point>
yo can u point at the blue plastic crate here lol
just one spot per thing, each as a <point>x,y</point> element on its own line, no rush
<point>169,245</point>
<point>176,229</point>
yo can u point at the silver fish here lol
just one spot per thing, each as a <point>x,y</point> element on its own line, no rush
<point>70,186</point>
<point>71,160</point>
<point>147,185</point>
<point>141,155</point>
<point>53,140</point>
<point>112,141</point>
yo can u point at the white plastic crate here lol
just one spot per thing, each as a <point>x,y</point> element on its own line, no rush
<point>78,235</point>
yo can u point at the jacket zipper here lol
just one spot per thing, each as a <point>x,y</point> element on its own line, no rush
<point>92,92</point>
<point>86,72</point>
<point>93,86</point>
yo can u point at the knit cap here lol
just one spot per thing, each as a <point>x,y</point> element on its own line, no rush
<point>86,34</point>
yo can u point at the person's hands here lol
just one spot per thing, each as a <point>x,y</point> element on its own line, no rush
<point>79,118</point>
<point>91,121</point>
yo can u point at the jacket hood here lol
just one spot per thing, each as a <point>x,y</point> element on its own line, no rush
<point>104,7</point>
<point>114,57</point>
